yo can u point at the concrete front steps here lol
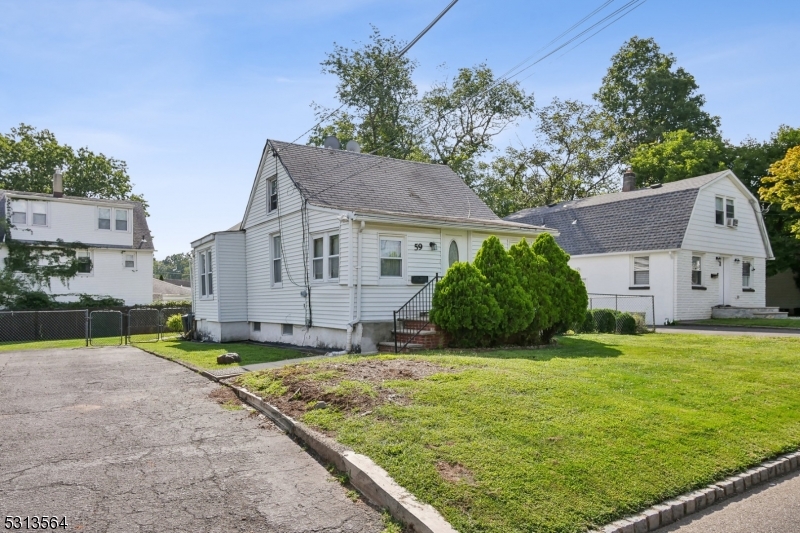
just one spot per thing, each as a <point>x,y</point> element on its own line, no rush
<point>748,312</point>
<point>429,338</point>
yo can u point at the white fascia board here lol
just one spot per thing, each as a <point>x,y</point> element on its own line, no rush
<point>484,226</point>
<point>611,254</point>
<point>88,201</point>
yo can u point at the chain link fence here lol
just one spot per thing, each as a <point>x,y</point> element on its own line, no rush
<point>56,328</point>
<point>619,313</point>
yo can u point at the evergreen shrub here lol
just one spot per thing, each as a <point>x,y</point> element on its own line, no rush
<point>588,323</point>
<point>175,324</point>
<point>464,307</point>
<point>605,320</point>
<point>625,324</point>
<point>535,279</point>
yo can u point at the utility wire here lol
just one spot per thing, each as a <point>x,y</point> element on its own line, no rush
<point>370,82</point>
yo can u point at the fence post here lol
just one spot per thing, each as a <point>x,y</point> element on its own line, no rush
<point>88,328</point>
<point>653,305</point>
<point>616,302</point>
<point>394,315</point>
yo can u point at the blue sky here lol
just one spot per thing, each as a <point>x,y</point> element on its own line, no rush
<point>187,92</point>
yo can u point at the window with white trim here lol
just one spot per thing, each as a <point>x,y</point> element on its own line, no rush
<point>391,257</point>
<point>747,268</point>
<point>697,270</point>
<point>121,219</point>
<point>84,259</point>
<point>201,270</point>
<point>277,260</point>
<point>205,270</point>
<point>724,210</point>
<point>318,258</point>
<point>129,260</point>
<point>333,256</point>
<point>104,218</point>
<point>729,212</point>
<point>272,194</point>
<point>19,211</point>
<point>641,271</point>
<point>39,213</point>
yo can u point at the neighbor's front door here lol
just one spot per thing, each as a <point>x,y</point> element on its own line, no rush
<point>454,248</point>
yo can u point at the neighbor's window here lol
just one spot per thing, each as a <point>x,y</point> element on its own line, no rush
<point>202,269</point>
<point>719,211</point>
<point>19,212</point>
<point>121,220</point>
<point>272,194</point>
<point>206,275</point>
<point>84,258</point>
<point>39,213</point>
<point>391,258</point>
<point>747,268</point>
<point>318,272</point>
<point>641,270</point>
<point>287,329</point>
<point>276,259</point>
<point>729,213</point>
<point>209,273</point>
<point>697,270</point>
<point>103,218</point>
<point>333,256</point>
<point>130,260</point>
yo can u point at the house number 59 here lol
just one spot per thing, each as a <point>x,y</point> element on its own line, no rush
<point>418,246</point>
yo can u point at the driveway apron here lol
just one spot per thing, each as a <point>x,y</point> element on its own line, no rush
<point>115,439</point>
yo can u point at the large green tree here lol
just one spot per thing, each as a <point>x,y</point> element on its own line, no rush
<point>782,186</point>
<point>679,155</point>
<point>647,95</point>
<point>175,266</point>
<point>574,155</point>
<point>29,158</point>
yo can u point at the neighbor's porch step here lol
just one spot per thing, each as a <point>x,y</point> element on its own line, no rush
<point>386,347</point>
<point>769,314</point>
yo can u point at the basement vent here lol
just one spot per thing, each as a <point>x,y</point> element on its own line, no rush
<point>287,329</point>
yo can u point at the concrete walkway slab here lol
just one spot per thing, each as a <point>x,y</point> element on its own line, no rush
<point>115,439</point>
<point>730,330</point>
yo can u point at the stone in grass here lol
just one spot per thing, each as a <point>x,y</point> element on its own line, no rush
<point>228,358</point>
<point>319,405</point>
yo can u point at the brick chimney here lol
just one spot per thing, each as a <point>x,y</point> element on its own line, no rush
<point>629,181</point>
<point>58,184</point>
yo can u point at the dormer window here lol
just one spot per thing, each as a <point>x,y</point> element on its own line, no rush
<point>39,213</point>
<point>104,218</point>
<point>121,220</point>
<point>19,212</point>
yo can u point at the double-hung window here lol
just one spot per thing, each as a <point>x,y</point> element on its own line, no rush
<point>19,212</point>
<point>697,270</point>
<point>129,260</point>
<point>277,259</point>
<point>333,256</point>
<point>641,271</point>
<point>121,220</point>
<point>205,269</point>
<point>318,256</point>
<point>103,218</point>
<point>39,213</point>
<point>391,257</point>
<point>724,210</point>
<point>729,212</point>
<point>747,268</point>
<point>84,259</point>
<point>272,194</point>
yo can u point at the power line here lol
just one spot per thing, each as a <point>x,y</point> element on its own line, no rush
<point>370,82</point>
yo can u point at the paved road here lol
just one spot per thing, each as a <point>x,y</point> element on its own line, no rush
<point>774,508</point>
<point>726,330</point>
<point>118,440</point>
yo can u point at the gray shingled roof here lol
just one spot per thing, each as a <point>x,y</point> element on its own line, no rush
<point>645,219</point>
<point>140,227</point>
<point>347,180</point>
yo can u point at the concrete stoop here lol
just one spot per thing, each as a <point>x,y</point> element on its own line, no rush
<point>748,312</point>
<point>671,511</point>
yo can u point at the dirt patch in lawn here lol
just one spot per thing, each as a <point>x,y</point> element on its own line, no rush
<point>226,398</point>
<point>354,388</point>
<point>455,472</point>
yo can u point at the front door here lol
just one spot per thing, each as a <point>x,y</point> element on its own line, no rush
<point>454,248</point>
<point>723,281</point>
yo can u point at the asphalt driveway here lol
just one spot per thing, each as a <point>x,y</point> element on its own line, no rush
<point>115,439</point>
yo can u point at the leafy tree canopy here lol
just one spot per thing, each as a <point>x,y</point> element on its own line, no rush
<point>29,158</point>
<point>782,185</point>
<point>175,266</point>
<point>574,156</point>
<point>647,96</point>
<point>678,156</point>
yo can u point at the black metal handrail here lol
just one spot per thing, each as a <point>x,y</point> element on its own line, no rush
<point>417,309</point>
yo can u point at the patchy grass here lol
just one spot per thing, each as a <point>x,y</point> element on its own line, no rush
<point>41,345</point>
<point>203,355</point>
<point>563,439</point>
<point>226,399</point>
<point>746,322</point>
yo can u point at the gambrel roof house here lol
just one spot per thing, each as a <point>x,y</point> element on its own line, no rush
<point>332,242</point>
<point>119,260</point>
<point>694,244</point>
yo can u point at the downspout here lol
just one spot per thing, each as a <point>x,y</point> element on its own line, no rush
<point>353,321</point>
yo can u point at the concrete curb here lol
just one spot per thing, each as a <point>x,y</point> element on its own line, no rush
<point>370,479</point>
<point>671,511</point>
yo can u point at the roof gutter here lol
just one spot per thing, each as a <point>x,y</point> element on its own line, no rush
<point>477,224</point>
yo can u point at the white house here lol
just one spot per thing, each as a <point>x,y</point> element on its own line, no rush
<point>331,243</point>
<point>119,260</point>
<point>693,244</point>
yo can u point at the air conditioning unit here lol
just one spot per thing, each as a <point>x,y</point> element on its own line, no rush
<point>733,222</point>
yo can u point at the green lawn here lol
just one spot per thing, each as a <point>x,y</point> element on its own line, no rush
<point>747,322</point>
<point>41,345</point>
<point>563,439</point>
<point>204,355</point>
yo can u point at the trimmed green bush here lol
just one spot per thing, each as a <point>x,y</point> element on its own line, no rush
<point>516,306</point>
<point>605,320</point>
<point>588,323</point>
<point>464,307</point>
<point>535,279</point>
<point>567,292</point>
<point>175,324</point>
<point>626,324</point>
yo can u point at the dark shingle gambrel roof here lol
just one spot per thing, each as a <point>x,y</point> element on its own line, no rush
<point>645,219</point>
<point>346,180</point>
<point>140,227</point>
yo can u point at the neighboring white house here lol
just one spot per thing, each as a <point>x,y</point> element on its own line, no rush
<point>693,244</point>
<point>331,243</point>
<point>119,260</point>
